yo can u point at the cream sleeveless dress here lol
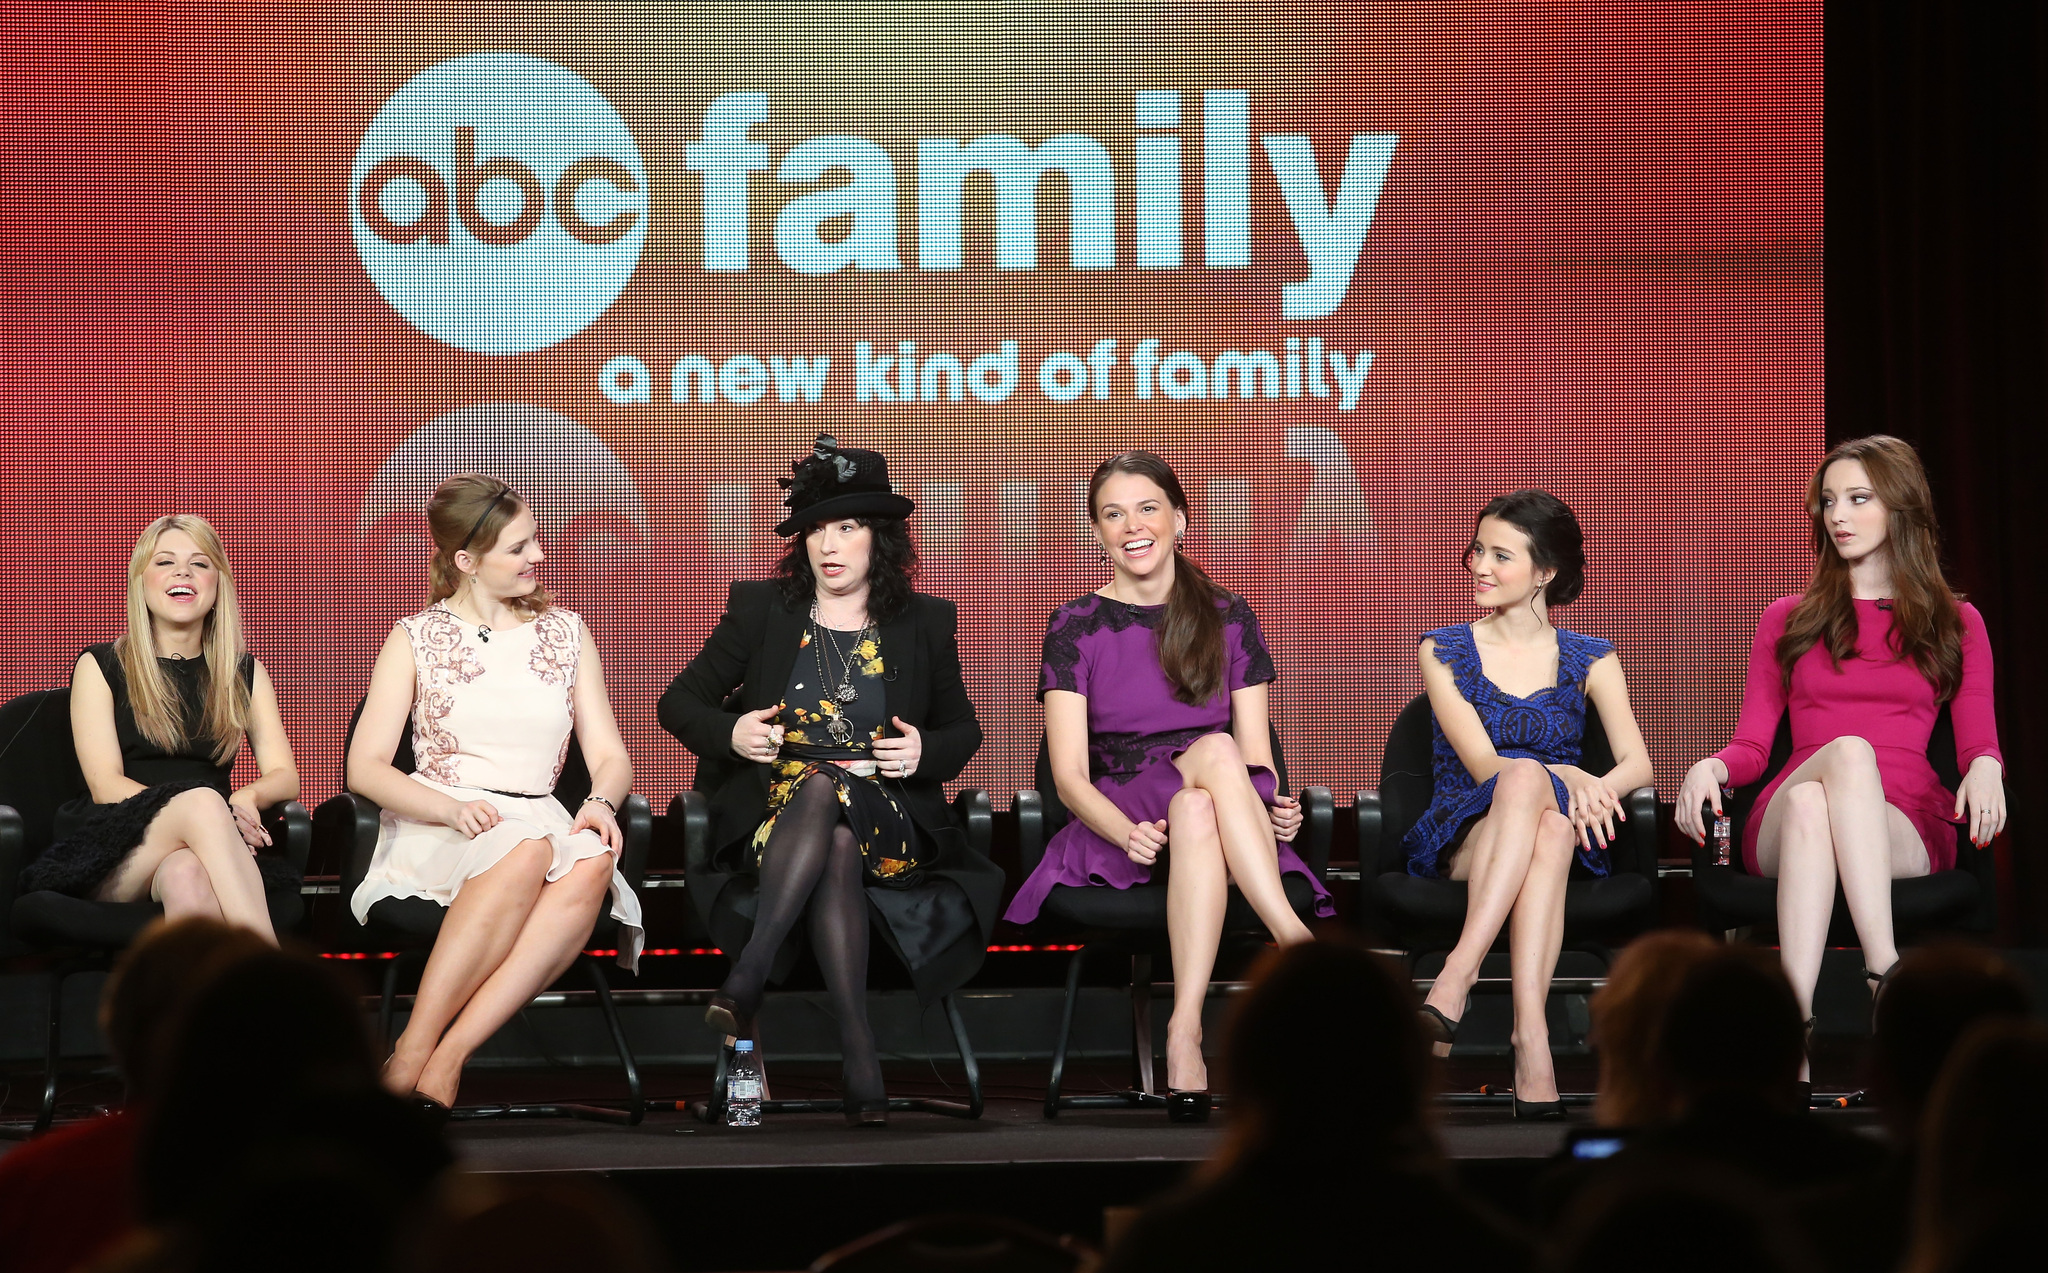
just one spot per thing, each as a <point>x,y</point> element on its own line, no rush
<point>491,721</point>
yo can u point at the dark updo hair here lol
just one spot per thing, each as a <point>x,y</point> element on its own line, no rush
<point>1555,541</point>
<point>892,566</point>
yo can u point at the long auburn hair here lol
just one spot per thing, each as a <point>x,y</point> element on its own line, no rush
<point>457,519</point>
<point>1191,637</point>
<point>892,569</point>
<point>1927,625</point>
<point>224,700</point>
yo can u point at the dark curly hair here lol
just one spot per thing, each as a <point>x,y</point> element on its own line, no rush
<point>1555,540</point>
<point>892,566</point>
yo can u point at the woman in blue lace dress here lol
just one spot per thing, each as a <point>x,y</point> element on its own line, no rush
<point>1513,815</point>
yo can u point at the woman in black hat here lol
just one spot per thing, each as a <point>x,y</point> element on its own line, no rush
<point>828,710</point>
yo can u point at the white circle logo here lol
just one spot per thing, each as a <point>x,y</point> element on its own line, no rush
<point>499,202</point>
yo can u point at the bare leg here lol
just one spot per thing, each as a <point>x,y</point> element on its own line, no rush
<point>1495,861</point>
<point>1245,831</point>
<point>1535,935</point>
<point>197,821</point>
<point>1800,851</point>
<point>555,928</point>
<point>482,924</point>
<point>1197,891</point>
<point>184,888</point>
<point>839,937</point>
<point>1829,823</point>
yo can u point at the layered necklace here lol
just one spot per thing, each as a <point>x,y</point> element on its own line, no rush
<point>843,693</point>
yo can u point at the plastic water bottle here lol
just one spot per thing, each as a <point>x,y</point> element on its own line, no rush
<point>743,1087</point>
<point>1722,829</point>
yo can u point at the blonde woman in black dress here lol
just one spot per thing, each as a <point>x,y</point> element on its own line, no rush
<point>158,717</point>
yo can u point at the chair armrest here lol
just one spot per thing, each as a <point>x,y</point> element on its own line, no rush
<point>1318,828</point>
<point>1371,821</point>
<point>1641,833</point>
<point>346,826</point>
<point>976,814</point>
<point>291,832</point>
<point>636,830</point>
<point>691,812</point>
<point>1029,807</point>
<point>1703,852</point>
<point>13,847</point>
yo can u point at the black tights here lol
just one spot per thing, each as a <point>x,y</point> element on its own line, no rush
<point>811,861</point>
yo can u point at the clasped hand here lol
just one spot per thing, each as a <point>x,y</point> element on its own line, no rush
<point>1147,840</point>
<point>1593,806</point>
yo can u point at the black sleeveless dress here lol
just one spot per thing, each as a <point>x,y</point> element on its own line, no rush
<point>89,840</point>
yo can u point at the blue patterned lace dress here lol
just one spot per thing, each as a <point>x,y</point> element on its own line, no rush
<point>1545,727</point>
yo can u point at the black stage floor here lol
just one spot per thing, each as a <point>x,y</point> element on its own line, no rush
<point>779,1195</point>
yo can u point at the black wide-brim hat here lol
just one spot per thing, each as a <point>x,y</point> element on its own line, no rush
<point>830,483</point>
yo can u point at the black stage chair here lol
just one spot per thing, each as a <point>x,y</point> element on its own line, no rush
<point>1963,899</point>
<point>1132,922</point>
<point>690,813</point>
<point>38,773</point>
<point>347,826</point>
<point>1425,915</point>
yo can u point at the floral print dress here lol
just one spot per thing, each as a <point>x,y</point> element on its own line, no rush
<point>820,732</point>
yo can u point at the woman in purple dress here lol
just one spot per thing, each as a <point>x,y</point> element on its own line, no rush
<point>1155,722</point>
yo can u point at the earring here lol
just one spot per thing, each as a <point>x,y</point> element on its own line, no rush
<point>1103,556</point>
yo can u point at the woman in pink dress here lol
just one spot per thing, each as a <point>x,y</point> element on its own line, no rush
<point>495,678</point>
<point>1863,662</point>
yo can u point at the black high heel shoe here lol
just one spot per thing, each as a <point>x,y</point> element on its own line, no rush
<point>1878,981</point>
<point>722,1014</point>
<point>1540,1111</point>
<point>1438,1028</point>
<point>1191,1106</point>
<point>866,1113</point>
<point>434,1111</point>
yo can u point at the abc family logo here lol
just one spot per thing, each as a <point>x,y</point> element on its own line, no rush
<point>499,203</point>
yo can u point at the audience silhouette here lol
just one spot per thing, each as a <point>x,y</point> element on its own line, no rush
<point>1330,1084</point>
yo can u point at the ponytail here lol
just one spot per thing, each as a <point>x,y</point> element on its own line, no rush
<point>1191,639</point>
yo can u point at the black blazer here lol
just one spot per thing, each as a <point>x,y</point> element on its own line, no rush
<point>753,650</point>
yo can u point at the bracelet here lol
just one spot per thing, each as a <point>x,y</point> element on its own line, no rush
<point>601,800</point>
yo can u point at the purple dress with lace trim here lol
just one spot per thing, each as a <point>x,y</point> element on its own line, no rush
<point>1105,650</point>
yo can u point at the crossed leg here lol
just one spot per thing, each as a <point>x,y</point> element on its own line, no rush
<point>195,862</point>
<point>1219,834</point>
<point>553,934</point>
<point>483,922</point>
<point>1829,823</point>
<point>1522,840</point>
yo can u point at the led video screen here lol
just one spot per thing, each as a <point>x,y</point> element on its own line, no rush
<point>1352,269</point>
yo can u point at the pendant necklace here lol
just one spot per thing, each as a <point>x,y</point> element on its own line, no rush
<point>839,727</point>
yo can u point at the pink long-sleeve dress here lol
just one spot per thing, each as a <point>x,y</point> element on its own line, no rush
<point>1876,696</point>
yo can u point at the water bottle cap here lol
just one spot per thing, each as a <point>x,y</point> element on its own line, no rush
<point>743,1045</point>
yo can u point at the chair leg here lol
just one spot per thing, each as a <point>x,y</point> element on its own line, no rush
<point>638,1104</point>
<point>967,1059</point>
<point>384,1006</point>
<point>53,1046</point>
<point>1059,1050</point>
<point>1141,1022</point>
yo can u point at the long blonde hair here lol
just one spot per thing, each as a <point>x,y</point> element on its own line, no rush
<point>470,511</point>
<point>224,702</point>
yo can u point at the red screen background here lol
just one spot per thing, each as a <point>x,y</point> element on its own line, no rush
<point>1594,267</point>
